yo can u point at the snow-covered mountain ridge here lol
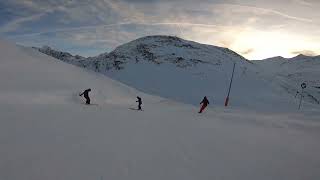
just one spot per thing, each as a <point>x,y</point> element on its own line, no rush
<point>156,49</point>
<point>184,70</point>
<point>295,71</point>
<point>64,56</point>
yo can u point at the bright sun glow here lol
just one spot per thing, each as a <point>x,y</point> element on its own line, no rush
<point>258,45</point>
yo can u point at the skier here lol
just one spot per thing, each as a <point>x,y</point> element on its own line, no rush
<point>139,101</point>
<point>86,95</point>
<point>204,103</point>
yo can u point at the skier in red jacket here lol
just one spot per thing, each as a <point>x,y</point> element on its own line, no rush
<point>204,103</point>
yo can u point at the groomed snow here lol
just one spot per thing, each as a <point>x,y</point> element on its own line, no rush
<point>46,132</point>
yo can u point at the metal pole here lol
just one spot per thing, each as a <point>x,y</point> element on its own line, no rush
<point>227,99</point>
<point>301,99</point>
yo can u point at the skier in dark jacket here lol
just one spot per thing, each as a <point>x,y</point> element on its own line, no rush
<point>86,95</point>
<point>204,103</point>
<point>139,101</point>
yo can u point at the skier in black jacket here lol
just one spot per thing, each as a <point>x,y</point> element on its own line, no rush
<point>86,95</point>
<point>139,101</point>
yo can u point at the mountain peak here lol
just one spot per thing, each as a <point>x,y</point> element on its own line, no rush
<point>158,49</point>
<point>300,56</point>
<point>161,37</point>
<point>161,49</point>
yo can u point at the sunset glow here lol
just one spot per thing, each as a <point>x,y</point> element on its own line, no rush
<point>254,29</point>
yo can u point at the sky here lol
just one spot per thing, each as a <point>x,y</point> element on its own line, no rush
<point>256,29</point>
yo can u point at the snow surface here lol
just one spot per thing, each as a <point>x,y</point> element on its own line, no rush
<point>46,132</point>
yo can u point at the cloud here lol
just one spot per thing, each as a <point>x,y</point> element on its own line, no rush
<point>305,52</point>
<point>303,2</point>
<point>105,24</point>
<point>33,12</point>
<point>262,11</point>
<point>97,12</point>
<point>179,25</point>
<point>248,51</point>
<point>14,25</point>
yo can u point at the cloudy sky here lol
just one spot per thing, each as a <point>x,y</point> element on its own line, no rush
<point>255,29</point>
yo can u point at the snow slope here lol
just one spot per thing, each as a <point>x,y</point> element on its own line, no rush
<point>186,71</point>
<point>47,133</point>
<point>30,77</point>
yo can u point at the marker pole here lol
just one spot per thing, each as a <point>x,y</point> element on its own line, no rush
<point>227,99</point>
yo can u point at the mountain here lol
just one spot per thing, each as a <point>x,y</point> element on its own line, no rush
<point>64,56</point>
<point>186,71</point>
<point>292,72</point>
<point>155,49</point>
